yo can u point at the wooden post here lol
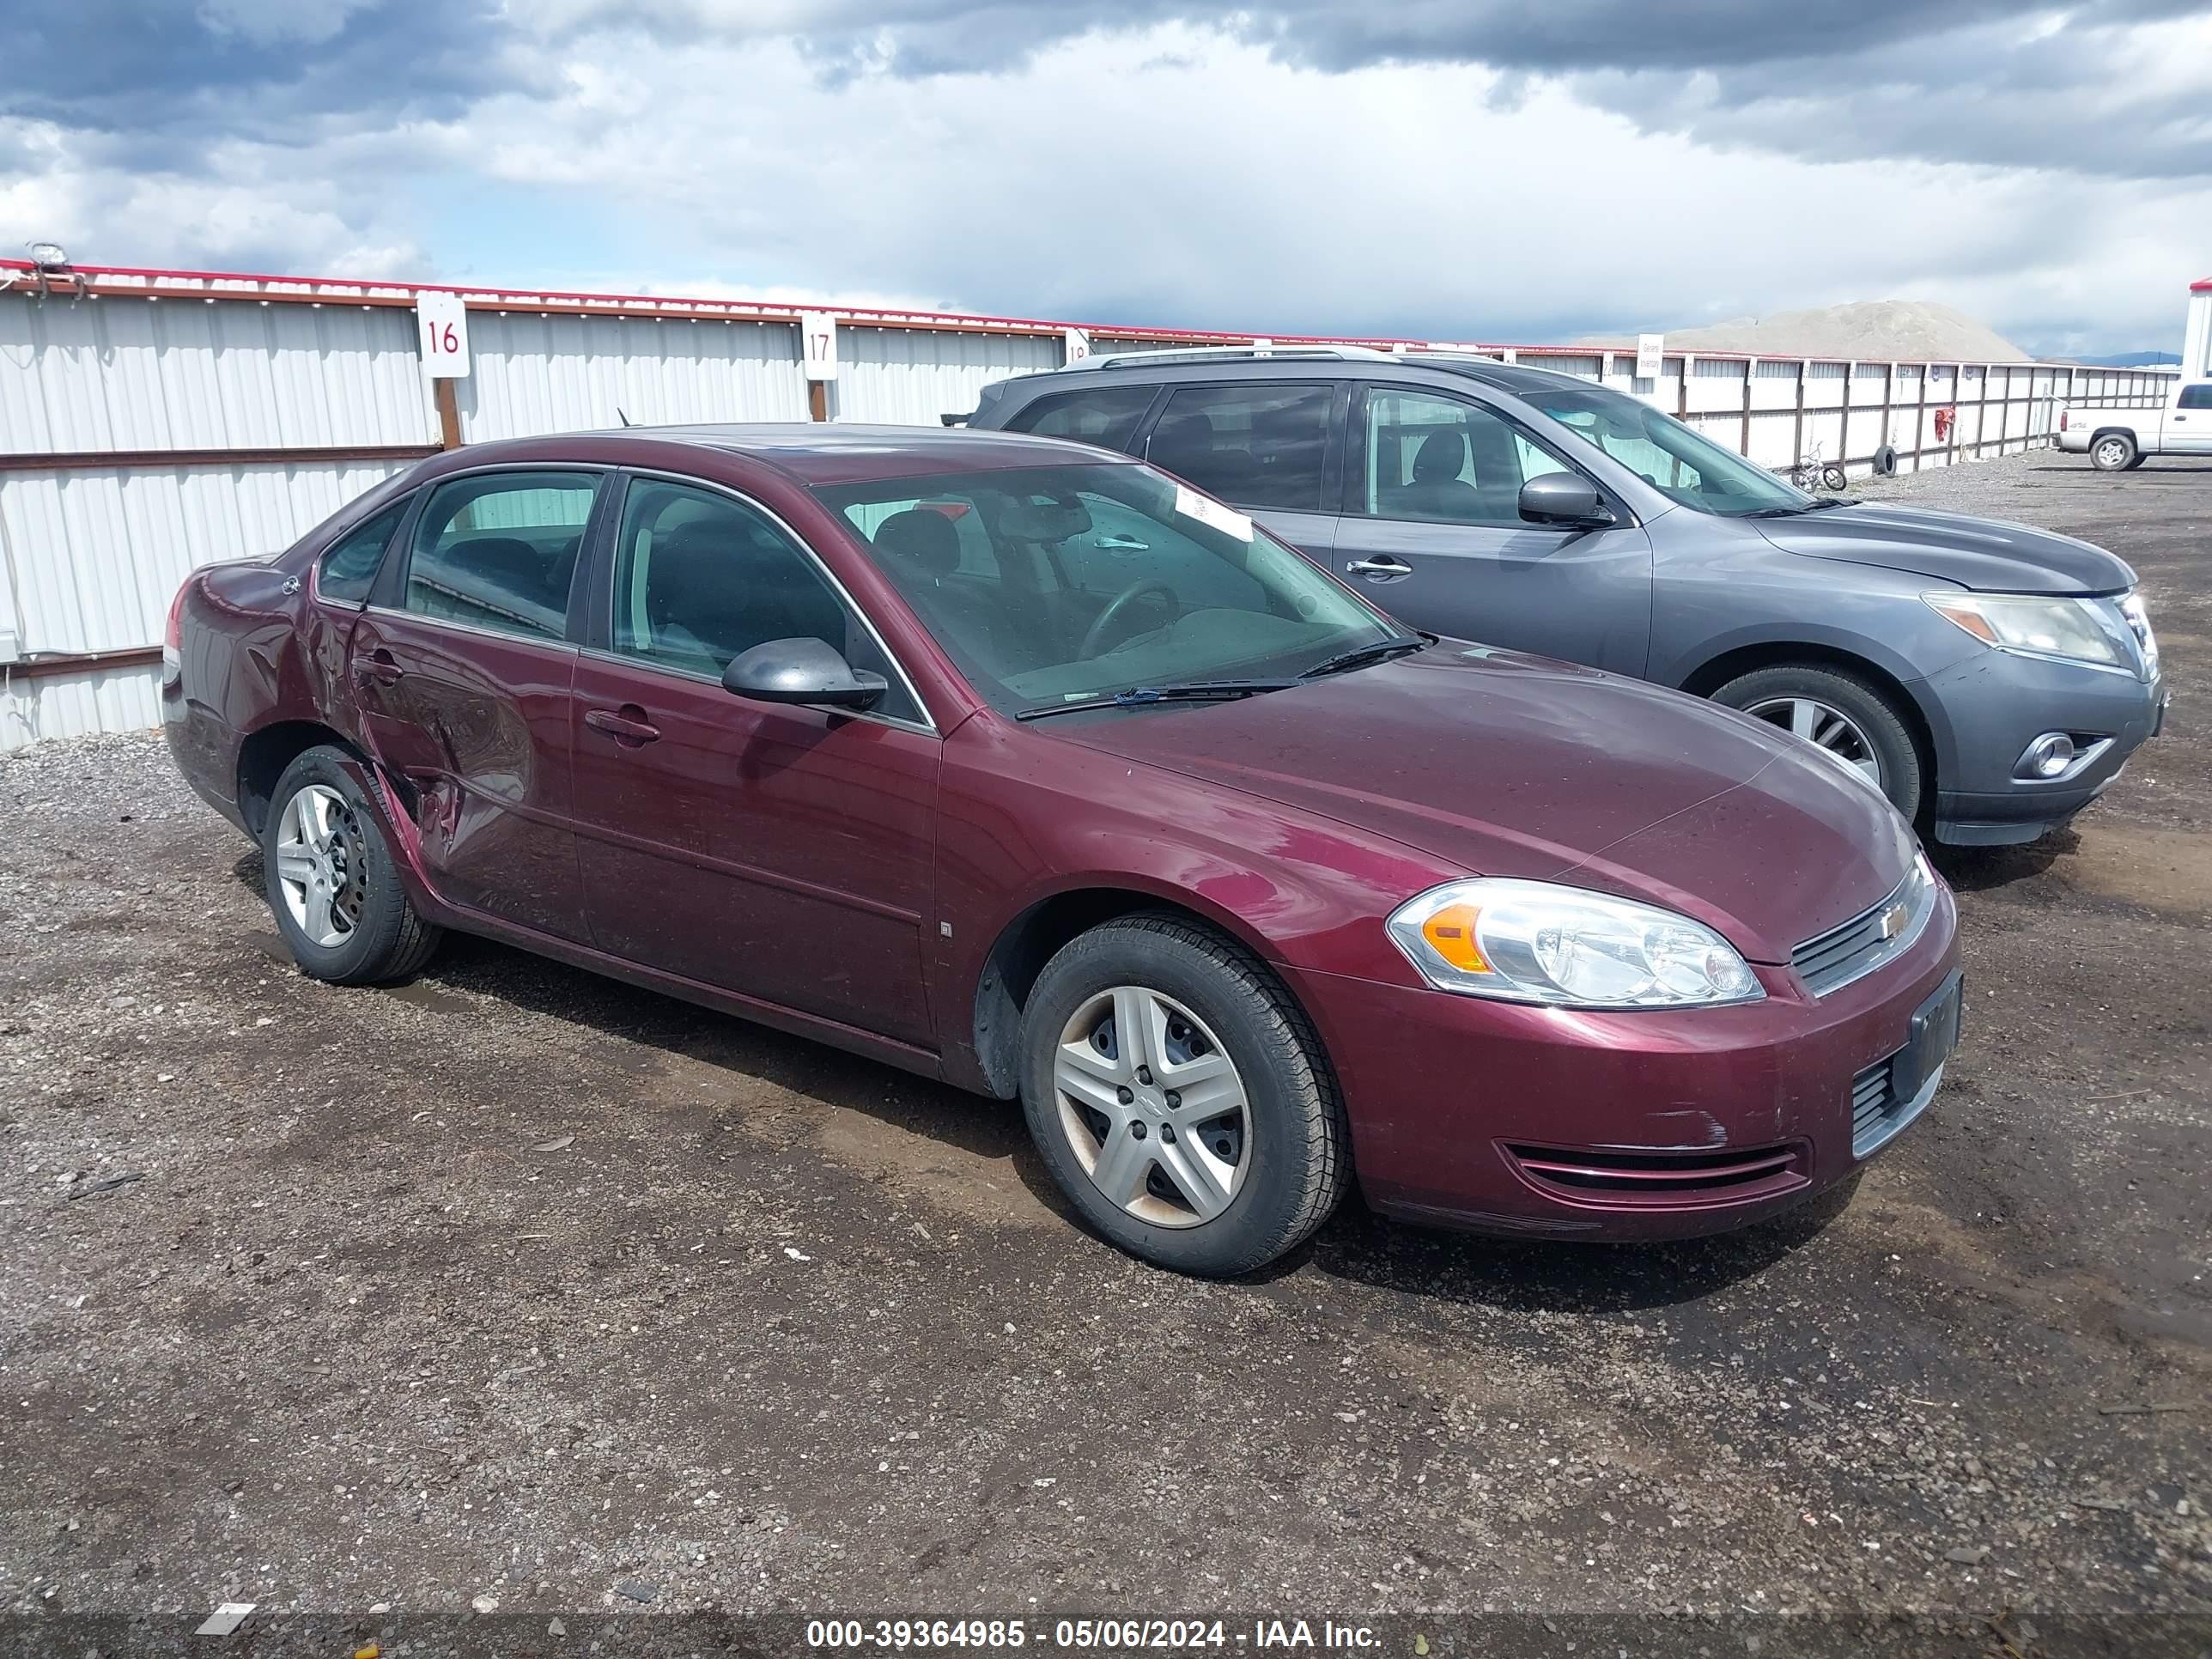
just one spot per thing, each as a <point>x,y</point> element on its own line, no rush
<point>449,413</point>
<point>817,400</point>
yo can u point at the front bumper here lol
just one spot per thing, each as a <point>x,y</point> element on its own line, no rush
<point>1994,704</point>
<point>1486,1114</point>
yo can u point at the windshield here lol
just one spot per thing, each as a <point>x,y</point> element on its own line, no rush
<point>1052,585</point>
<point>1677,460</point>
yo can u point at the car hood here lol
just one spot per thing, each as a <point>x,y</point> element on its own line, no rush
<point>1507,765</point>
<point>1987,554</point>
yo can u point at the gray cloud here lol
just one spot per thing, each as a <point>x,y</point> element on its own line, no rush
<point>275,69</point>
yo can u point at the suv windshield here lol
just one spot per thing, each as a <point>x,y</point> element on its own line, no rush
<point>1054,584</point>
<point>1677,460</point>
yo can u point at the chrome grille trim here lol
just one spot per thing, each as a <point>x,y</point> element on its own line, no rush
<point>1848,953</point>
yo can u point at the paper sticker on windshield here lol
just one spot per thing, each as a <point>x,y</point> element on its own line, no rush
<point>1212,514</point>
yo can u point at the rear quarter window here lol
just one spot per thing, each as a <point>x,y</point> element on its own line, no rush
<point>1107,416</point>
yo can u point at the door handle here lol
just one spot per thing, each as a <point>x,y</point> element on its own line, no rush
<point>1380,568</point>
<point>381,669</point>
<point>626,726</point>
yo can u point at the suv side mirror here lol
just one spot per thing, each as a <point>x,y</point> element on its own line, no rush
<point>1564,498</point>
<point>801,672</point>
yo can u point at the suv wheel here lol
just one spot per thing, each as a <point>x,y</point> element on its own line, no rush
<point>330,879</point>
<point>1848,719</point>
<point>1180,1097</point>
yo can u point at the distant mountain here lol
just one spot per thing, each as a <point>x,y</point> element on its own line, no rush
<point>1868,331</point>
<point>2130,360</point>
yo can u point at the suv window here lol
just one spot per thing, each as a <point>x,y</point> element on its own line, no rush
<point>701,577</point>
<point>1437,460</point>
<point>2196,396</point>
<point>1258,445</point>
<point>1107,416</point>
<point>348,567</point>
<point>499,551</point>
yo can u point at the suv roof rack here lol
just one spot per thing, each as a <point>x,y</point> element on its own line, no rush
<point>1217,354</point>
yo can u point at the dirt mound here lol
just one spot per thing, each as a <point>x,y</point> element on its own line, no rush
<point>1878,330</point>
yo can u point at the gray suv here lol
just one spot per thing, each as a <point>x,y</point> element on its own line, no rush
<point>1990,678</point>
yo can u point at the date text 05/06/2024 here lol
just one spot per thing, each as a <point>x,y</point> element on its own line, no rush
<point>1164,1634</point>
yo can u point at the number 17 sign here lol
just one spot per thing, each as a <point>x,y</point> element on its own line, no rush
<point>442,321</point>
<point>817,338</point>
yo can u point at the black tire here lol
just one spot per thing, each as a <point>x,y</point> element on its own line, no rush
<point>2113,451</point>
<point>1298,1147</point>
<point>387,941</point>
<point>1870,709</point>
<point>1885,462</point>
<point>2136,463</point>
<point>1833,477</point>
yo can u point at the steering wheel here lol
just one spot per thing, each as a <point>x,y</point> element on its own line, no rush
<point>1114,606</point>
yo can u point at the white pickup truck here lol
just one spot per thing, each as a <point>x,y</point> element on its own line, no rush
<point>2117,439</point>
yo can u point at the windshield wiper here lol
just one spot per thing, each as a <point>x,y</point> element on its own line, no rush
<point>1136,696</point>
<point>1397,645</point>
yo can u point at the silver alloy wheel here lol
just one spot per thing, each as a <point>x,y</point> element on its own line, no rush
<point>1827,728</point>
<point>319,866</point>
<point>2111,453</point>
<point>1152,1107</point>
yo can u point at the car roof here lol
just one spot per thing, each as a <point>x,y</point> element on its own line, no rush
<point>1131,369</point>
<point>818,453</point>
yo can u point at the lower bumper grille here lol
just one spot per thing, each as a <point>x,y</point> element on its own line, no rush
<point>1878,1112</point>
<point>1622,1178</point>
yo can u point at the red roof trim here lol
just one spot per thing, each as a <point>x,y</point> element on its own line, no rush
<point>125,281</point>
<point>2204,287</point>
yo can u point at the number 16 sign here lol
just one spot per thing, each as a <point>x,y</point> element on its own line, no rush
<point>443,323</point>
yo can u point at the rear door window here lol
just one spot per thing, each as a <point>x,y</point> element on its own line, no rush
<point>499,551</point>
<point>1107,416</point>
<point>2196,396</point>
<point>348,567</point>
<point>1259,443</point>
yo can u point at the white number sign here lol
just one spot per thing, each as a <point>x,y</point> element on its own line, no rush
<point>818,344</point>
<point>1078,345</point>
<point>442,321</point>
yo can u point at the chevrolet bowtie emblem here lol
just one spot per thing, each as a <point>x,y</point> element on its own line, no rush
<point>1893,922</point>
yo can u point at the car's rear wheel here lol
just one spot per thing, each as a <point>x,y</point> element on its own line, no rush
<point>1180,1096</point>
<point>2136,463</point>
<point>330,879</point>
<point>2113,452</point>
<point>1852,721</point>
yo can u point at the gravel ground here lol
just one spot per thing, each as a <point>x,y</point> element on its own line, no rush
<point>777,1328</point>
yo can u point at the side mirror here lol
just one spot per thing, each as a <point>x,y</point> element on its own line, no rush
<point>1564,498</point>
<point>801,672</point>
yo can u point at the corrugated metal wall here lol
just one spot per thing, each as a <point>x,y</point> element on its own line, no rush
<point>912,376</point>
<point>532,373</point>
<point>91,554</point>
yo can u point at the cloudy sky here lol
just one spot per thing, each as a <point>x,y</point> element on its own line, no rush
<point>1440,169</point>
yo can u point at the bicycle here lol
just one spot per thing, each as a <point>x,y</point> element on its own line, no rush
<point>1812,471</point>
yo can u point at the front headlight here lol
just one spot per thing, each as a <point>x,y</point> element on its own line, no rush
<point>2138,621</point>
<point>2066,628</point>
<point>1530,941</point>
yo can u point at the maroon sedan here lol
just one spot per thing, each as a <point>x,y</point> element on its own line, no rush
<point>1029,768</point>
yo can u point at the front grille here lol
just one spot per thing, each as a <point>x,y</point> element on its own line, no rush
<point>1618,1176</point>
<point>1828,961</point>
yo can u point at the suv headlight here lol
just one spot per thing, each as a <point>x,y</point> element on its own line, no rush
<point>2039,626</point>
<point>2138,621</point>
<point>1532,941</point>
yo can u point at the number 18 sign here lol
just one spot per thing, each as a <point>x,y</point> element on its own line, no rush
<point>443,323</point>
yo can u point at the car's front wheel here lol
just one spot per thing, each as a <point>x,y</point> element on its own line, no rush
<point>1851,721</point>
<point>331,882</point>
<point>1180,1096</point>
